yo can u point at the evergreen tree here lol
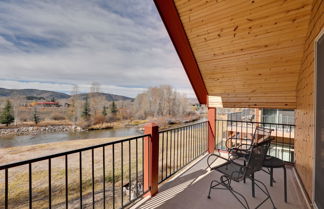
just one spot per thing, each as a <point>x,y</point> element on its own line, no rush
<point>104,111</point>
<point>86,109</point>
<point>36,116</point>
<point>113,108</point>
<point>6,116</point>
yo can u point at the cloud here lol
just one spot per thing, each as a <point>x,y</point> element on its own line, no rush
<point>121,44</point>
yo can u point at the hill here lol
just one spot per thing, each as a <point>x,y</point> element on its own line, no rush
<point>32,93</point>
<point>109,97</point>
<point>48,95</point>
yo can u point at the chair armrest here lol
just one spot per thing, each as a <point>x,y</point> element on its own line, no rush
<point>248,147</point>
<point>238,142</point>
<point>216,157</point>
<point>234,149</point>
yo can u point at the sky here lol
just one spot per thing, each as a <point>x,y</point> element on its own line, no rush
<point>57,44</point>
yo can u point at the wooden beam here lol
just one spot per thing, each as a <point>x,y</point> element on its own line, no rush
<point>173,24</point>
<point>211,129</point>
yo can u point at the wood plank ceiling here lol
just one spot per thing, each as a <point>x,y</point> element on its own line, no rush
<point>248,51</point>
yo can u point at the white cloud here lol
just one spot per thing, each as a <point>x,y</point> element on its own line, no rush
<point>122,44</point>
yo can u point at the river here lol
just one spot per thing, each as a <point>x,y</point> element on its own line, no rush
<point>14,141</point>
<point>24,140</point>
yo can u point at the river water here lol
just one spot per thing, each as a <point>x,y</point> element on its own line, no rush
<point>14,141</point>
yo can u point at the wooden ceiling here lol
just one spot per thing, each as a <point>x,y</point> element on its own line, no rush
<point>248,51</point>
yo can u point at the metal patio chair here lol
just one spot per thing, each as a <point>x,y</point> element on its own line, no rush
<point>238,147</point>
<point>233,171</point>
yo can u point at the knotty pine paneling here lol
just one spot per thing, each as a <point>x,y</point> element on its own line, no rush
<point>304,153</point>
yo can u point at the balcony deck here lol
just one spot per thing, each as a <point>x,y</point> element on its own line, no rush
<point>190,189</point>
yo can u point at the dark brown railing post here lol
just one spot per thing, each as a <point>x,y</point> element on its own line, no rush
<point>151,159</point>
<point>211,129</point>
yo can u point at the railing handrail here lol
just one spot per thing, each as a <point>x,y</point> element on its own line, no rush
<point>183,126</point>
<point>60,154</point>
<point>187,143</point>
<point>284,136</point>
<point>25,162</point>
<point>240,121</point>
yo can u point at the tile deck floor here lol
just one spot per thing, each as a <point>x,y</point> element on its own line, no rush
<point>189,190</point>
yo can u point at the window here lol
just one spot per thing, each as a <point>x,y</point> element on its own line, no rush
<point>278,116</point>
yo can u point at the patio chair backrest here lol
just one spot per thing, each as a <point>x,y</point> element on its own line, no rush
<point>260,134</point>
<point>257,156</point>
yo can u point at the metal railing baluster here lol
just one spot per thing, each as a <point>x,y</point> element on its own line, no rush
<point>66,183</point>
<point>80,176</point>
<point>30,187</point>
<point>49,183</point>
<point>104,175</point>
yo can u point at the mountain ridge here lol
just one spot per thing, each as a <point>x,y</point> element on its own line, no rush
<point>48,95</point>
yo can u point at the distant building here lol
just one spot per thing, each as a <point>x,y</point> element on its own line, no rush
<point>46,104</point>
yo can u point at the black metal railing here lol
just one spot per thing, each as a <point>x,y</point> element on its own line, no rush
<point>282,146</point>
<point>180,146</point>
<point>108,175</point>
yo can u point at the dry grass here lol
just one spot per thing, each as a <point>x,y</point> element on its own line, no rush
<point>137,122</point>
<point>100,126</point>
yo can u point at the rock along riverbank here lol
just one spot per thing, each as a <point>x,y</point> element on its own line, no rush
<point>34,130</point>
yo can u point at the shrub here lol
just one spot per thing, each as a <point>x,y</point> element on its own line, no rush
<point>99,119</point>
<point>36,117</point>
<point>24,119</point>
<point>84,124</point>
<point>57,116</point>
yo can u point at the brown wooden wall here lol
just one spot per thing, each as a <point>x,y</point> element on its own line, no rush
<point>305,100</point>
<point>248,52</point>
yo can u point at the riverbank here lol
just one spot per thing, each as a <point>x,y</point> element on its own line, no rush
<point>57,127</point>
<point>65,126</point>
<point>34,130</point>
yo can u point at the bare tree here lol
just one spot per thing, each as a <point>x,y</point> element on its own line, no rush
<point>94,94</point>
<point>74,107</point>
<point>124,109</point>
<point>160,101</point>
<point>16,102</point>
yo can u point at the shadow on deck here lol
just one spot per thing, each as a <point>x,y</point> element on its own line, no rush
<point>190,189</point>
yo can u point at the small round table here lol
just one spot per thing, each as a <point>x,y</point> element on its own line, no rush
<point>271,163</point>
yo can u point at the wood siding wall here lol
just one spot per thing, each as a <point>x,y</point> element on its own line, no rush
<point>305,101</point>
<point>248,52</point>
